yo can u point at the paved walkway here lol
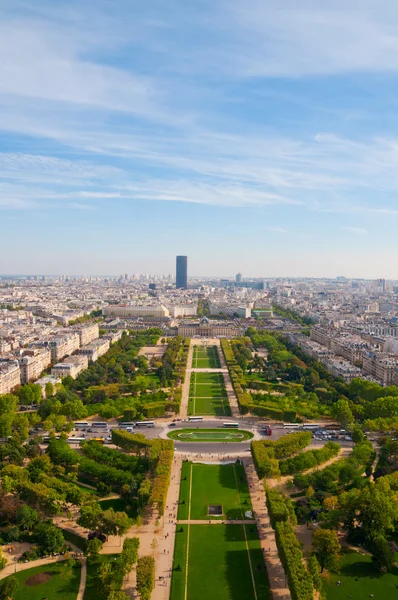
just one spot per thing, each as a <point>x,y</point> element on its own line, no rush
<point>276,574</point>
<point>83,579</point>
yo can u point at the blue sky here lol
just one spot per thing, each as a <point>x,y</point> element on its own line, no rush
<point>253,136</point>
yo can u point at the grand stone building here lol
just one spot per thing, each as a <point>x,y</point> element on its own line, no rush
<point>208,328</point>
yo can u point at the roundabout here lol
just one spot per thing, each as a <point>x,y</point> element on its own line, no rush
<point>209,435</point>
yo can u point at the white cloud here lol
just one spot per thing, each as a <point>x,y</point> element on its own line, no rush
<point>276,229</point>
<point>355,230</point>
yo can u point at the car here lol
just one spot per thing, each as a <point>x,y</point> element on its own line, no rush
<point>172,424</point>
<point>347,438</point>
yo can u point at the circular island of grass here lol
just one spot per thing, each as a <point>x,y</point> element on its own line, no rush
<point>210,435</point>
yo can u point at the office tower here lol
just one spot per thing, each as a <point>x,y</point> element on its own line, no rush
<point>238,277</point>
<point>182,272</point>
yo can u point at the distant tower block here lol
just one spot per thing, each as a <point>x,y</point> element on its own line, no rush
<point>238,277</point>
<point>182,272</point>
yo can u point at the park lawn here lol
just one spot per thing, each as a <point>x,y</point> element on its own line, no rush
<point>219,566</point>
<point>219,484</point>
<point>177,591</point>
<point>205,390</point>
<point>208,406</point>
<point>210,435</point>
<point>205,358</point>
<point>53,589</point>
<point>370,581</point>
<point>183,499</point>
<point>119,505</point>
<point>94,591</point>
<point>207,377</point>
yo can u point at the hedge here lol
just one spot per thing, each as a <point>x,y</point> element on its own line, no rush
<point>145,576</point>
<point>300,580</point>
<point>266,465</point>
<point>308,460</point>
<point>290,444</point>
<point>282,517</point>
<point>161,457</point>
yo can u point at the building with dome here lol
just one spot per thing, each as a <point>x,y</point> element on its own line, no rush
<point>209,328</point>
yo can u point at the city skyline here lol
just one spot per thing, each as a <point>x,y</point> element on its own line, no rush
<point>269,135</point>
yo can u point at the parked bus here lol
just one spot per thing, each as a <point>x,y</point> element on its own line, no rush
<point>291,425</point>
<point>231,425</point>
<point>312,427</point>
<point>76,440</point>
<point>99,425</point>
<point>145,424</point>
<point>47,439</point>
<point>126,425</point>
<point>195,419</point>
<point>82,424</point>
<point>97,439</point>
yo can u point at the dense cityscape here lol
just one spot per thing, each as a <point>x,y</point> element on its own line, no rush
<point>96,370</point>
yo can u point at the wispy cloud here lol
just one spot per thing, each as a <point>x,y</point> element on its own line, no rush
<point>355,230</point>
<point>275,228</point>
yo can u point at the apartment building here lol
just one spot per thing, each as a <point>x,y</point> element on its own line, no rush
<point>230,309</point>
<point>71,366</point>
<point>87,332</point>
<point>33,362</point>
<point>342,368</point>
<point>10,375</point>
<point>350,348</point>
<point>136,310</point>
<point>382,367</point>
<point>94,350</point>
<point>63,345</point>
<point>322,336</point>
<point>113,336</point>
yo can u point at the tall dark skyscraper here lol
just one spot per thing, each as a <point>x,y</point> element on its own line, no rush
<point>182,272</point>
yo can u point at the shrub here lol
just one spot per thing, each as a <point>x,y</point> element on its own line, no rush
<point>145,576</point>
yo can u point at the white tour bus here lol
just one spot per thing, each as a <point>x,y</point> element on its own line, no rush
<point>126,425</point>
<point>195,419</point>
<point>312,427</point>
<point>231,425</point>
<point>76,440</point>
<point>145,424</point>
<point>81,424</point>
<point>291,425</point>
<point>99,425</point>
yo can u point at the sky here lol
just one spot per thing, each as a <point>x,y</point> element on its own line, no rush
<point>254,137</point>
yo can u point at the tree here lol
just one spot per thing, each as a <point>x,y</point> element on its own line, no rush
<point>9,588</point>
<point>8,403</point>
<point>49,537</point>
<point>90,516</point>
<point>49,389</point>
<point>3,561</point>
<point>115,523</point>
<point>93,548</point>
<point>382,554</point>
<point>74,409</point>
<point>27,517</point>
<point>67,569</point>
<point>357,435</point>
<point>326,547</point>
<point>118,595</point>
<point>342,412</point>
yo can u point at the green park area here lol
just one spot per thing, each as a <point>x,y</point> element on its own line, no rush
<point>47,581</point>
<point>360,579</point>
<point>223,561</point>
<point>207,395</point>
<point>203,486</point>
<point>210,435</point>
<point>205,357</point>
